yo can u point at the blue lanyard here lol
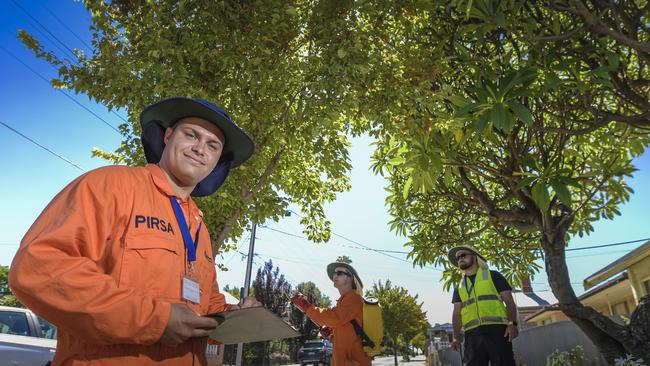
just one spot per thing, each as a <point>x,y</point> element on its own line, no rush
<point>190,245</point>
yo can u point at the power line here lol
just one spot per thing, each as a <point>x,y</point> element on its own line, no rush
<point>47,38</point>
<point>66,27</point>
<point>44,27</point>
<point>71,52</point>
<point>61,90</point>
<point>380,251</point>
<point>43,147</point>
<point>607,245</point>
<point>342,245</point>
<point>597,254</point>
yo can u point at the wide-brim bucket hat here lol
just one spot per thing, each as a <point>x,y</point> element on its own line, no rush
<point>452,253</point>
<point>155,119</point>
<point>333,266</point>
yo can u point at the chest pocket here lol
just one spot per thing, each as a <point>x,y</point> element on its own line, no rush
<point>153,266</point>
<point>205,273</point>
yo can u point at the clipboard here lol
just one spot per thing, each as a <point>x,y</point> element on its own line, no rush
<point>247,325</point>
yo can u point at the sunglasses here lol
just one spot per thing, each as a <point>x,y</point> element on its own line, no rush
<point>462,255</point>
<point>341,273</point>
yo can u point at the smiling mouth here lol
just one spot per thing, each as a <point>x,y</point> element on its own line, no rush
<point>197,162</point>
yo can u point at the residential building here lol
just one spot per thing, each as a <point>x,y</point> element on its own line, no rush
<point>529,301</point>
<point>614,290</point>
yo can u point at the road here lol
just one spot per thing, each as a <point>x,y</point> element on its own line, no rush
<point>389,361</point>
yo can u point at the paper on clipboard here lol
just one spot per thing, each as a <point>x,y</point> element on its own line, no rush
<point>247,325</point>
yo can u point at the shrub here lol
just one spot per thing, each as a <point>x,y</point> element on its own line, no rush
<point>574,357</point>
<point>628,361</point>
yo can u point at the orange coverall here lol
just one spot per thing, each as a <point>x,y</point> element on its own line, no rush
<point>105,261</point>
<point>347,348</point>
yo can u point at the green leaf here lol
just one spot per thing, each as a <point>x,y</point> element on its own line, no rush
<point>482,121</point>
<point>541,196</point>
<point>525,182</point>
<point>457,100</point>
<point>398,160</point>
<point>522,113</point>
<point>509,122</point>
<point>562,193</point>
<point>407,187</point>
<point>498,116</point>
<point>466,109</point>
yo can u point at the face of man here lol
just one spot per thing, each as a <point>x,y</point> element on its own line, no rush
<point>193,147</point>
<point>465,259</point>
<point>342,278</point>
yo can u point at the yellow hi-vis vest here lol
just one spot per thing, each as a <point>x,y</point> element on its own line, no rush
<point>481,303</point>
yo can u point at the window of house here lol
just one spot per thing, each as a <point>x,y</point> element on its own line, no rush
<point>620,308</point>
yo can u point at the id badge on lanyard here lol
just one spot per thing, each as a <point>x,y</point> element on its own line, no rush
<point>191,290</point>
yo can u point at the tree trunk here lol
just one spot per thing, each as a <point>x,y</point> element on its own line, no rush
<point>640,329</point>
<point>612,340</point>
<point>395,351</point>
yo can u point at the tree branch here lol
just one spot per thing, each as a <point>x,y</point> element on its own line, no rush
<point>246,196</point>
<point>600,27</point>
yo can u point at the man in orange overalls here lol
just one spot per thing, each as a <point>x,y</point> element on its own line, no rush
<point>119,260</point>
<point>336,322</point>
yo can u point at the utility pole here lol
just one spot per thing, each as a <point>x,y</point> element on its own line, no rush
<point>247,285</point>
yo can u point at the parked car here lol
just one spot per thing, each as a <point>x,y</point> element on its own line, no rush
<point>315,352</point>
<point>26,339</point>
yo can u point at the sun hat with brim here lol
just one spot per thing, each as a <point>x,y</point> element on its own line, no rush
<point>453,251</point>
<point>333,266</point>
<point>155,119</point>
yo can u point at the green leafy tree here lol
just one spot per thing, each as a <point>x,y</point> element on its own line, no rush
<point>262,62</point>
<point>300,321</point>
<point>508,124</point>
<point>234,291</point>
<point>402,314</point>
<point>7,298</point>
<point>272,290</point>
<point>511,126</point>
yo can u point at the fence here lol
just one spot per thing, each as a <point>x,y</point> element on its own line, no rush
<point>535,344</point>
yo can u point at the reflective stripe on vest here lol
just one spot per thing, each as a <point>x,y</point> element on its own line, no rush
<point>481,303</point>
<point>486,319</point>
<point>480,298</point>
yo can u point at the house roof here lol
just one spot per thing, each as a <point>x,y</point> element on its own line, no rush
<point>446,327</point>
<point>533,299</point>
<point>618,265</point>
<point>229,298</point>
<point>555,307</point>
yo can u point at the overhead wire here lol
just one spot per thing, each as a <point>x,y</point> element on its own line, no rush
<point>67,48</point>
<point>380,251</point>
<point>60,90</point>
<point>66,27</point>
<point>42,147</point>
<point>44,27</point>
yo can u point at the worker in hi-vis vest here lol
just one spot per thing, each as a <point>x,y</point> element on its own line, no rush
<point>484,309</point>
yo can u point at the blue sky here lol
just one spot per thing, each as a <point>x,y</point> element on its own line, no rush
<point>32,177</point>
